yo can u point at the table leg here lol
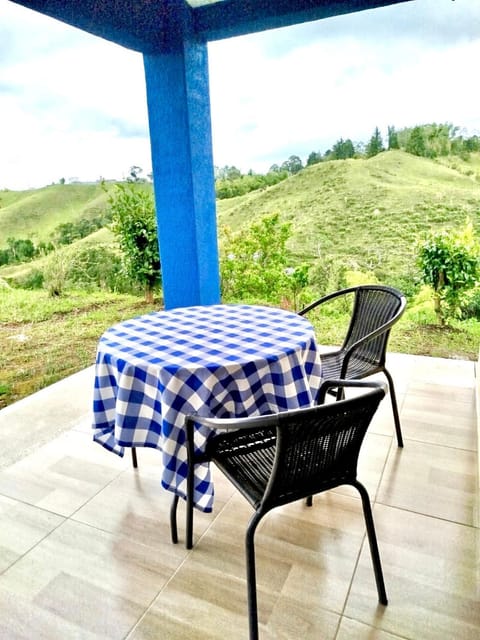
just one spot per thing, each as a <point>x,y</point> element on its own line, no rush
<point>134,458</point>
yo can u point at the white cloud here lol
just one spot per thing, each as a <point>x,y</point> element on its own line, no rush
<point>332,88</point>
<point>74,105</point>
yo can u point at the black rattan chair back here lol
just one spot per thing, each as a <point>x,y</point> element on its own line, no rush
<point>376,308</point>
<point>296,454</point>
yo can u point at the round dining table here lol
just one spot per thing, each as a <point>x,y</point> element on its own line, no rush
<point>213,360</point>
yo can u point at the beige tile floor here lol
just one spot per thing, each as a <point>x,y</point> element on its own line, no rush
<point>85,549</point>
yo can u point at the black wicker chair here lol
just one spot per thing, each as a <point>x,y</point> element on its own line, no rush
<point>375,310</point>
<point>277,459</point>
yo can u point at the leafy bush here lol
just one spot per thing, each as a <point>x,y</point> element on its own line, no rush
<point>253,261</point>
<point>327,275</point>
<point>94,267</point>
<point>134,223</point>
<point>32,280</point>
<point>409,284</point>
<point>450,265</point>
<point>68,232</point>
<point>239,185</point>
<point>471,305</point>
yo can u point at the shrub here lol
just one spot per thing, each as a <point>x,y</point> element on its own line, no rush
<point>134,223</point>
<point>32,280</point>
<point>253,261</point>
<point>326,276</point>
<point>93,267</point>
<point>449,261</point>
<point>55,273</point>
<point>471,304</point>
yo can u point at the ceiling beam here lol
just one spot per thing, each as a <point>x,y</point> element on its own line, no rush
<point>151,26</point>
<point>239,17</point>
<point>147,26</point>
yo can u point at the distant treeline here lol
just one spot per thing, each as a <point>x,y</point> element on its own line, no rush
<point>427,141</point>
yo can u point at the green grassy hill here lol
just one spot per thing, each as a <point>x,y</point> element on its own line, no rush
<point>368,212</point>
<point>35,214</point>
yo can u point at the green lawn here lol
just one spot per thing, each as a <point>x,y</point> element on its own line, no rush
<point>45,339</point>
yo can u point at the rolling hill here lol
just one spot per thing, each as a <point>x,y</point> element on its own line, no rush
<point>368,212</point>
<point>35,214</point>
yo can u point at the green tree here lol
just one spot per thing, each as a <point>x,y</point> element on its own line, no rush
<point>416,143</point>
<point>297,281</point>
<point>292,165</point>
<point>134,222</point>
<point>135,174</point>
<point>392,139</point>
<point>253,261</point>
<point>314,158</point>
<point>472,144</point>
<point>450,265</point>
<point>438,139</point>
<point>274,169</point>
<point>66,233</point>
<point>20,250</point>
<point>342,149</point>
<point>227,173</point>
<point>375,145</point>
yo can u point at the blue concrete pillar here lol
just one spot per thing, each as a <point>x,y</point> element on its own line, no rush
<point>180,135</point>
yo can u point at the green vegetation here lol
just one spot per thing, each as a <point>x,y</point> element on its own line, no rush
<point>368,214</point>
<point>253,263</point>
<point>317,229</point>
<point>230,182</point>
<point>450,263</point>
<point>44,339</point>
<point>134,222</point>
<point>36,214</point>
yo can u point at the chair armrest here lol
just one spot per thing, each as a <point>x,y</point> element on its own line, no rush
<point>330,296</point>
<point>344,384</point>
<point>227,424</point>
<point>222,424</point>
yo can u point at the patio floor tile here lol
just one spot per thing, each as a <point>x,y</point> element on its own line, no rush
<point>85,551</point>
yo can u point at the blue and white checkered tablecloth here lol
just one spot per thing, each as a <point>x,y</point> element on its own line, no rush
<point>220,360</point>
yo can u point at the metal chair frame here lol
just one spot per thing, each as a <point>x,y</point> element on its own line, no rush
<point>277,459</point>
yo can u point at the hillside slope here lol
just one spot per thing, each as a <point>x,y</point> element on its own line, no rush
<point>368,212</point>
<point>35,214</point>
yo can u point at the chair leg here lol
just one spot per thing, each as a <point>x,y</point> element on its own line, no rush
<point>309,501</point>
<point>372,540</point>
<point>393,399</point>
<point>189,511</point>
<point>251,577</point>
<point>134,458</point>
<point>340,393</point>
<point>173,519</point>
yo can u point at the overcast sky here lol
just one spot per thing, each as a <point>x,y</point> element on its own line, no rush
<point>73,106</point>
